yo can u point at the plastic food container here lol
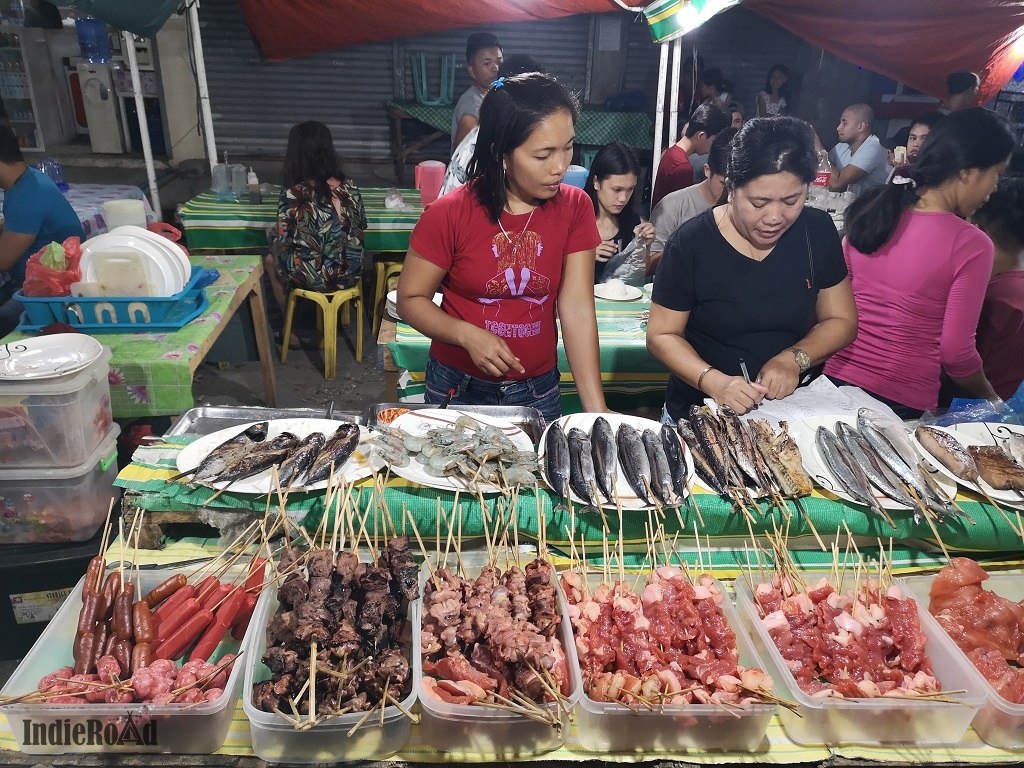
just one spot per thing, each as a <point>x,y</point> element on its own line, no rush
<point>610,727</point>
<point>54,729</point>
<point>58,422</point>
<point>491,733</point>
<point>276,741</point>
<point>39,506</point>
<point>1000,722</point>
<point>871,721</point>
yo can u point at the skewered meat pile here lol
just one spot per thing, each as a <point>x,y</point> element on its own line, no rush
<point>355,614</point>
<point>493,637</point>
<point>862,643</point>
<point>671,644</point>
<point>987,627</point>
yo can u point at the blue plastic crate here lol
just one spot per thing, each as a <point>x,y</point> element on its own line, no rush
<point>113,314</point>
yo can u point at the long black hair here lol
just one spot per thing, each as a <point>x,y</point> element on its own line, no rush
<point>509,113</point>
<point>1002,217</point>
<point>311,157</point>
<point>768,145</point>
<point>971,138</point>
<point>612,159</point>
<point>784,88</point>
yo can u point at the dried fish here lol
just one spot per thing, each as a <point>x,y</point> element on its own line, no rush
<point>633,460</point>
<point>301,459</point>
<point>556,461</point>
<point>269,453</point>
<point>782,457</point>
<point>661,474</point>
<point>742,449</point>
<point>948,451</point>
<point>701,464</point>
<point>602,443</point>
<point>582,478</point>
<point>711,444</point>
<point>335,452</point>
<point>227,453</point>
<point>676,460</point>
<point>997,469</point>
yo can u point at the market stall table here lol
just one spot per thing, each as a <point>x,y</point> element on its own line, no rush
<point>151,373</point>
<point>596,127</point>
<point>211,223</point>
<point>631,377</point>
<point>88,199</point>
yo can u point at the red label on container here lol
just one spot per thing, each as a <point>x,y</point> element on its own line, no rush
<point>822,179</point>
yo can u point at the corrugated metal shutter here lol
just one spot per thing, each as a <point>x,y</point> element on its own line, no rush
<point>255,102</point>
<point>743,44</point>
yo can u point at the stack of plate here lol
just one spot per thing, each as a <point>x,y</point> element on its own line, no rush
<point>392,303</point>
<point>47,357</point>
<point>131,261</point>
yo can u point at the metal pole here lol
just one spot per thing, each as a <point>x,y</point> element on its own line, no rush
<point>140,108</point>
<point>204,90</point>
<point>659,115</point>
<point>673,102</point>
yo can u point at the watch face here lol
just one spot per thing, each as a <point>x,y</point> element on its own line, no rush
<point>803,360</point>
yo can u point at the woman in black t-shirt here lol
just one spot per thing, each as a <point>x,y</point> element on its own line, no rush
<point>760,279</point>
<point>610,185</point>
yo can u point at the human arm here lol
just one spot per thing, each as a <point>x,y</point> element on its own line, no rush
<point>465,125</point>
<point>417,285</point>
<point>958,351</point>
<point>762,105</point>
<point>13,246</point>
<point>579,328</point>
<point>840,180</point>
<point>836,327</point>
<point>665,342</point>
<point>606,250</point>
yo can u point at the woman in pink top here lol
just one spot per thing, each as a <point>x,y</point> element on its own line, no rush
<point>919,271</point>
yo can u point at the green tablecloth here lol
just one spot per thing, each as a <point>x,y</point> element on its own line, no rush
<point>913,546</point>
<point>151,373</point>
<point>596,125</point>
<point>632,378</point>
<point>214,224</point>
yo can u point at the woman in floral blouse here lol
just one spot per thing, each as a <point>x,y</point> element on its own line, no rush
<point>317,244</point>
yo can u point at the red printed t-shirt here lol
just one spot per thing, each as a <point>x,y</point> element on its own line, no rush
<point>505,284</point>
<point>674,173</point>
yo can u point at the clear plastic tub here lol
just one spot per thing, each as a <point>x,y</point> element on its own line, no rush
<point>58,422</point>
<point>834,721</point>
<point>1000,722</point>
<point>610,727</point>
<point>276,741</point>
<point>54,729</point>
<point>42,506</point>
<point>490,733</point>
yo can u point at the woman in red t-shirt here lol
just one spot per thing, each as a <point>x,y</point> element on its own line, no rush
<point>510,249</point>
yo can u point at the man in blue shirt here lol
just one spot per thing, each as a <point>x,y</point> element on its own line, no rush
<point>36,214</point>
<point>858,158</point>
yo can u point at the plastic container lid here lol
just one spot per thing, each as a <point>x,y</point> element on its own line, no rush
<point>63,384</point>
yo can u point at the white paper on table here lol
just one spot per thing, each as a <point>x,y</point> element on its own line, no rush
<point>819,398</point>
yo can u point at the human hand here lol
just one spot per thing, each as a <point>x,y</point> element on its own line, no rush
<point>490,353</point>
<point>645,230</point>
<point>780,375</point>
<point>892,158</point>
<point>734,392</point>
<point>606,250</point>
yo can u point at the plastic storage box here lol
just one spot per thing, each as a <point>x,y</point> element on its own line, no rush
<point>112,314</point>
<point>1000,722</point>
<point>276,741</point>
<point>55,423</point>
<point>871,720</point>
<point>491,733</point>
<point>55,505</point>
<point>612,727</point>
<point>104,728</point>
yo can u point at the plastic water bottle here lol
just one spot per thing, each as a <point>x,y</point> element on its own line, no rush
<point>16,13</point>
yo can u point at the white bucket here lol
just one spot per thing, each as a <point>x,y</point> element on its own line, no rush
<point>117,213</point>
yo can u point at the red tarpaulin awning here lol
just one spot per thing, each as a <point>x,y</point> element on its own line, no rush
<point>917,42</point>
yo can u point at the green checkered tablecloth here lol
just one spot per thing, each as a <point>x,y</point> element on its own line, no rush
<point>214,224</point>
<point>151,373</point>
<point>632,378</point>
<point>596,125</point>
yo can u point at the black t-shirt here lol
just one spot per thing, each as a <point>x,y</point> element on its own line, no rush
<point>741,308</point>
<point>628,221</point>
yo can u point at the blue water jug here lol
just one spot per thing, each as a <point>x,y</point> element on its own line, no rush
<point>93,40</point>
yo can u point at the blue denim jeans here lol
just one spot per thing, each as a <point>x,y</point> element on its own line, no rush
<point>540,392</point>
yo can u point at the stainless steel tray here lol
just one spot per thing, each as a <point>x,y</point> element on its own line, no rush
<point>527,419</point>
<point>208,419</point>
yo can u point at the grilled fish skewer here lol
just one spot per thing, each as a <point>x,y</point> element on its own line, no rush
<point>582,476</point>
<point>848,473</point>
<point>633,460</point>
<point>225,454</point>
<point>605,456</point>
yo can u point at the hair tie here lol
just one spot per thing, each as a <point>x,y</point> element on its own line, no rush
<point>905,174</point>
<point>498,83</point>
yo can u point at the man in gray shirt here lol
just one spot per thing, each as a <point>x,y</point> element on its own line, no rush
<point>483,58</point>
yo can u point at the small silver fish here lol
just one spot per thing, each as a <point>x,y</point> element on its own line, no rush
<point>847,472</point>
<point>877,471</point>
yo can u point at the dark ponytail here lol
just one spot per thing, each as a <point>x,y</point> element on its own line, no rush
<point>971,138</point>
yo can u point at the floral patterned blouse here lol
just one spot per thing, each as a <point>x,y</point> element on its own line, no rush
<point>319,245</point>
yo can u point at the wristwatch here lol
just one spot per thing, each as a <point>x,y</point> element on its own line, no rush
<point>803,361</point>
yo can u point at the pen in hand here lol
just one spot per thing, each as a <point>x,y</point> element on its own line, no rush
<point>746,373</point>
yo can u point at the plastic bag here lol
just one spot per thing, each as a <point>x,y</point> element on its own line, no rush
<point>628,265</point>
<point>41,280</point>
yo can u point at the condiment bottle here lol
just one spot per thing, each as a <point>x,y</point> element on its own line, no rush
<point>255,196</point>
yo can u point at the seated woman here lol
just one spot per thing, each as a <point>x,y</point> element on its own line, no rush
<point>759,280</point>
<point>317,244</point>
<point>610,185</point>
<point>1001,327</point>
<point>919,271</point>
<point>510,248</point>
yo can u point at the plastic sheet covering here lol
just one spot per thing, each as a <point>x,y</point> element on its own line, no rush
<point>143,17</point>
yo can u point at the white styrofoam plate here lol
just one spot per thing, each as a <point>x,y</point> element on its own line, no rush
<point>975,433</point>
<point>47,357</point>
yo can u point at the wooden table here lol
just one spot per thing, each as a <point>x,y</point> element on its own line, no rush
<point>151,374</point>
